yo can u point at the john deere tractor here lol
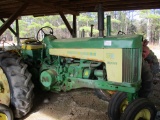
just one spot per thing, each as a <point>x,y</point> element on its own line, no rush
<point>109,63</point>
<point>112,63</point>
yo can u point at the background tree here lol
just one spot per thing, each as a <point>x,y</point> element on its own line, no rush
<point>144,22</point>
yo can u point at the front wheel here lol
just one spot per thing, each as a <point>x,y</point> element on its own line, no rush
<point>5,113</point>
<point>117,105</point>
<point>139,109</point>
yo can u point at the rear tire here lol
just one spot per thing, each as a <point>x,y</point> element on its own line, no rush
<point>19,79</point>
<point>139,109</point>
<point>147,80</point>
<point>6,112</point>
<point>153,62</point>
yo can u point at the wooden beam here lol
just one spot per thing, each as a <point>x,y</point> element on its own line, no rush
<point>120,8</point>
<point>51,6</point>
<point>74,27</point>
<point>88,5</point>
<point>4,15</point>
<point>12,18</point>
<point>9,27</point>
<point>87,2</point>
<point>66,22</point>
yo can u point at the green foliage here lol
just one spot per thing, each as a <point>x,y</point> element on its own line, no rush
<point>95,31</point>
<point>23,33</point>
<point>86,28</point>
<point>116,21</point>
<point>0,22</point>
<point>62,26</point>
<point>33,25</point>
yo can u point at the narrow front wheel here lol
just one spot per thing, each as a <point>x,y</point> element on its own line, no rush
<point>5,113</point>
<point>117,105</point>
<point>139,109</point>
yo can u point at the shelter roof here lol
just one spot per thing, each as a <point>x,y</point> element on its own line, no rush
<point>52,7</point>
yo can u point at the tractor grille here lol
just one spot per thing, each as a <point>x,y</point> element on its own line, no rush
<point>131,65</point>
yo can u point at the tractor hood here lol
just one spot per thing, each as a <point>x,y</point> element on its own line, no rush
<point>125,41</point>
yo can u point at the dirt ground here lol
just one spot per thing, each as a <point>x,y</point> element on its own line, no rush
<point>80,104</point>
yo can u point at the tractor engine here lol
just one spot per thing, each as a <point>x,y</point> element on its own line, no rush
<point>71,68</point>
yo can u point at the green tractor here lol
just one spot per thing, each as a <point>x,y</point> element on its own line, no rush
<point>103,63</point>
<point>112,63</point>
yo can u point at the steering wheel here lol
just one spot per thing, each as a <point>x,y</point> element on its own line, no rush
<point>121,33</point>
<point>42,30</point>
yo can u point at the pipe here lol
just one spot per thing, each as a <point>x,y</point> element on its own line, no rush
<point>91,30</point>
<point>108,25</point>
<point>100,20</point>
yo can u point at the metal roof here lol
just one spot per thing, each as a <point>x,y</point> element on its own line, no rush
<point>52,7</point>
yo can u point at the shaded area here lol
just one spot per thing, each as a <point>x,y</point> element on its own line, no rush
<point>80,104</point>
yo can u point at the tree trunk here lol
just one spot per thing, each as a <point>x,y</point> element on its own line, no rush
<point>148,30</point>
<point>159,39</point>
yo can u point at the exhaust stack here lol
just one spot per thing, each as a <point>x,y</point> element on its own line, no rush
<point>100,20</point>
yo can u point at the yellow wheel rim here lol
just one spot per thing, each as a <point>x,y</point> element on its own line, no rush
<point>3,116</point>
<point>123,105</point>
<point>5,92</point>
<point>143,114</point>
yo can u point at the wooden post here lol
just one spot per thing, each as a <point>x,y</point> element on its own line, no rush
<point>74,33</point>
<point>17,31</point>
